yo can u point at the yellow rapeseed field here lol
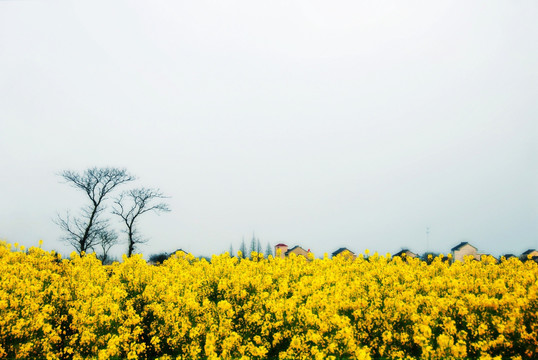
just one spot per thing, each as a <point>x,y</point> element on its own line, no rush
<point>293,308</point>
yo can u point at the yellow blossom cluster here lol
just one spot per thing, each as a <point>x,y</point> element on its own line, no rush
<point>258,308</point>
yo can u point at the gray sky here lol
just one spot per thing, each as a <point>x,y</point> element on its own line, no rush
<point>313,123</point>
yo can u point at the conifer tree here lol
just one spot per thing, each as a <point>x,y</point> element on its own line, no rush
<point>243,248</point>
<point>268,250</point>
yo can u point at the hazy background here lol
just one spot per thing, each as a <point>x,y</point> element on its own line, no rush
<point>313,123</point>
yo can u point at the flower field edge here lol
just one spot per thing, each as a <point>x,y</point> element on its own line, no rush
<point>292,308</point>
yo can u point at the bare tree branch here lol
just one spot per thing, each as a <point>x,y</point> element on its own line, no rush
<point>133,203</point>
<point>107,239</point>
<point>85,231</point>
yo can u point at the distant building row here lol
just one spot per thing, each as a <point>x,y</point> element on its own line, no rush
<point>283,251</point>
<point>465,249</point>
<point>459,252</point>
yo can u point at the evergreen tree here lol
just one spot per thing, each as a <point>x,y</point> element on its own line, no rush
<point>232,250</point>
<point>243,248</point>
<point>268,250</point>
<point>252,245</point>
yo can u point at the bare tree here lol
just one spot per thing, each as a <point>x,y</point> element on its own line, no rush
<point>133,203</point>
<point>107,239</point>
<point>83,231</point>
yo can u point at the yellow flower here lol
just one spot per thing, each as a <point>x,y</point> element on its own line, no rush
<point>296,307</point>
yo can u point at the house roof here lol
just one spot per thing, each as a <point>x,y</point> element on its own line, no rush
<point>341,250</point>
<point>281,244</point>
<point>528,252</point>
<point>405,251</point>
<point>462,244</point>
<point>295,248</point>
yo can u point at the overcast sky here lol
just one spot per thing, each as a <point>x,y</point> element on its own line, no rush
<point>313,123</point>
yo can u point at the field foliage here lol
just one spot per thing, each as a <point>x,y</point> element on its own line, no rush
<point>293,308</point>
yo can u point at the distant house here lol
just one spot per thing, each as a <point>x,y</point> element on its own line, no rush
<point>177,251</point>
<point>405,253</point>
<point>489,257</point>
<point>344,252</point>
<point>283,249</point>
<point>530,254</point>
<point>508,256</point>
<point>430,257</point>
<point>297,250</point>
<point>464,249</point>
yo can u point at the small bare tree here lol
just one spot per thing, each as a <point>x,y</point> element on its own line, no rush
<point>107,239</point>
<point>133,203</point>
<point>83,231</point>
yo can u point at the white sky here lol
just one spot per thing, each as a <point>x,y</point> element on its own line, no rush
<point>313,123</point>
